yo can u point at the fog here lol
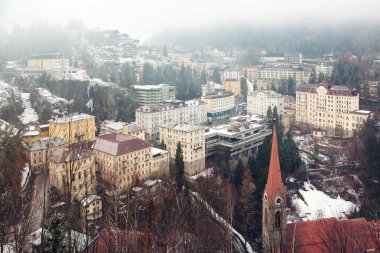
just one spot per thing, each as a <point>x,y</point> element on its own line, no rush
<point>144,18</point>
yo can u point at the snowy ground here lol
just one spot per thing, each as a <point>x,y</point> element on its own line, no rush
<point>29,115</point>
<point>313,204</point>
<point>6,91</point>
<point>334,189</point>
<point>52,99</point>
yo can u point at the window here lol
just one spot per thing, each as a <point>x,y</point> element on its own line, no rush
<point>277,219</point>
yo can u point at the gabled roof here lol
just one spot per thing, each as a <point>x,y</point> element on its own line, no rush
<point>119,144</point>
<point>274,186</point>
<point>62,156</point>
<point>331,235</point>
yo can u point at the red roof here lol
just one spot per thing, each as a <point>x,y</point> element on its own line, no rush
<point>62,156</point>
<point>274,184</point>
<point>119,144</point>
<point>331,235</point>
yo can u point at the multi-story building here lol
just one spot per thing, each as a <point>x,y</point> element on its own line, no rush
<point>324,70</point>
<point>286,57</point>
<point>289,102</point>
<point>73,172</point>
<point>154,94</point>
<point>91,207</point>
<point>53,63</point>
<point>38,152</point>
<point>243,134</point>
<point>332,108</point>
<point>192,140</point>
<point>110,127</point>
<point>73,128</point>
<point>124,159</point>
<point>232,85</point>
<point>296,73</point>
<point>259,101</point>
<point>179,112</point>
<point>220,105</point>
<point>232,73</point>
<point>250,73</point>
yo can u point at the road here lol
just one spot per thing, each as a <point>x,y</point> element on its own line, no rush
<point>37,203</point>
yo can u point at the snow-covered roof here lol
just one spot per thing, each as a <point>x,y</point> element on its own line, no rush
<point>150,183</point>
<point>157,151</point>
<point>71,117</point>
<point>89,199</point>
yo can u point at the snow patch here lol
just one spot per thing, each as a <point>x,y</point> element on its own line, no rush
<point>206,173</point>
<point>316,204</point>
<point>29,115</point>
<point>52,99</point>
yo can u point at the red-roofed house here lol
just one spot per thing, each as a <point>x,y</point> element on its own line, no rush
<point>123,159</point>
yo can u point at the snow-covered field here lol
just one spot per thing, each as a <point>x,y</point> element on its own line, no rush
<point>316,204</point>
<point>6,91</point>
<point>29,115</point>
<point>52,99</point>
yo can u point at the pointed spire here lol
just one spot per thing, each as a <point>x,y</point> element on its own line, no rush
<point>274,184</point>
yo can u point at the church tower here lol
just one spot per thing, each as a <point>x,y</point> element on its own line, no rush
<point>274,204</point>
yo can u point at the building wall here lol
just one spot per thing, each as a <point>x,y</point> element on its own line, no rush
<point>232,85</point>
<point>69,129</point>
<point>93,210</point>
<point>37,158</point>
<point>56,64</point>
<point>281,74</point>
<point>333,113</point>
<point>123,170</point>
<point>83,176</point>
<point>193,147</point>
<point>194,114</point>
<point>258,102</point>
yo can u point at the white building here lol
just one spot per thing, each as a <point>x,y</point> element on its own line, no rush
<point>275,74</point>
<point>332,108</point>
<point>323,69</point>
<point>178,112</point>
<point>259,101</point>
<point>192,140</point>
<point>154,94</point>
<point>233,73</point>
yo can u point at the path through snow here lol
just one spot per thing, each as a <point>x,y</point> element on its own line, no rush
<point>29,115</point>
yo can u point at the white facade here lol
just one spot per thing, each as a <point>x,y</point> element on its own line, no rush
<point>192,139</point>
<point>325,70</point>
<point>154,94</point>
<point>259,101</point>
<point>331,108</point>
<point>179,112</point>
<point>232,74</point>
<point>297,74</point>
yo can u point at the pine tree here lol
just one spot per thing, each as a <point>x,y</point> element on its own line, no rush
<point>179,168</point>
<point>216,76</point>
<point>238,175</point>
<point>56,235</point>
<point>269,113</point>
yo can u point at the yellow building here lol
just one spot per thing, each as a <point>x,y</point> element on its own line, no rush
<point>55,63</point>
<point>332,108</point>
<point>125,159</point>
<point>73,128</point>
<point>192,139</point>
<point>91,207</point>
<point>75,170</point>
<point>220,105</point>
<point>38,152</point>
<point>232,85</point>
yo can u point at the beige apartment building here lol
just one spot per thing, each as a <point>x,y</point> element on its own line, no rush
<point>220,105</point>
<point>75,170</point>
<point>179,112</point>
<point>73,128</point>
<point>110,127</point>
<point>192,139</point>
<point>296,73</point>
<point>259,101</point>
<point>335,109</point>
<point>54,63</point>
<point>124,159</point>
<point>38,152</point>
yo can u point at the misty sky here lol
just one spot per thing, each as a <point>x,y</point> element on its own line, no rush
<point>143,18</point>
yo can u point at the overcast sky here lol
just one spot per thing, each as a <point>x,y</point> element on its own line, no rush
<point>143,18</point>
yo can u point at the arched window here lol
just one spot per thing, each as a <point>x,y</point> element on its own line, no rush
<point>266,216</point>
<point>277,219</point>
